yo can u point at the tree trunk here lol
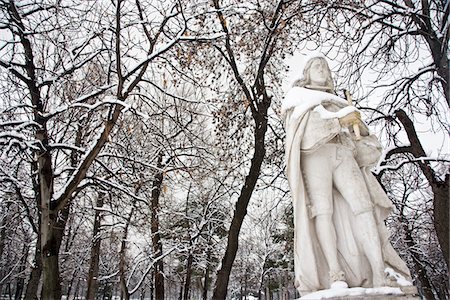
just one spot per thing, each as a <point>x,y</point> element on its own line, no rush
<point>77,289</point>
<point>51,285</point>
<point>50,254</point>
<point>20,279</point>
<point>152,286</point>
<point>441,215</point>
<point>70,285</point>
<point>52,234</point>
<point>223,275</point>
<point>440,188</point>
<point>421,272</point>
<point>35,274</point>
<point>156,236</point>
<point>3,225</point>
<point>180,294</point>
<point>187,283</point>
<point>44,188</point>
<point>206,285</point>
<point>124,293</point>
<point>92,283</point>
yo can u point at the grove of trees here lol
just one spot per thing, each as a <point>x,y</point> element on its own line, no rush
<point>142,147</point>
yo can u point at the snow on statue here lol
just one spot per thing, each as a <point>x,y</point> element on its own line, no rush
<point>339,206</point>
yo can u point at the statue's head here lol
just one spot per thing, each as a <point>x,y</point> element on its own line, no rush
<point>316,73</point>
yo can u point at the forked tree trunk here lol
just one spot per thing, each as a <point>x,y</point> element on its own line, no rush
<point>43,186</point>
<point>51,288</point>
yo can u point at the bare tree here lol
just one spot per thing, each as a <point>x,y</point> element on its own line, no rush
<point>254,39</point>
<point>43,66</point>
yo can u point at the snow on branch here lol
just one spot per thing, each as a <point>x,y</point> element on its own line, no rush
<point>154,54</point>
<point>9,67</point>
<point>149,268</point>
<point>106,277</point>
<point>382,168</point>
<point>69,70</point>
<point>106,100</point>
<point>20,124</point>
<point>121,188</point>
<point>79,101</point>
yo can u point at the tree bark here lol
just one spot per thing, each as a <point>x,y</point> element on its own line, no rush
<point>92,283</point>
<point>419,270</point>
<point>124,293</point>
<point>156,235</point>
<point>152,286</point>
<point>20,279</point>
<point>51,288</point>
<point>3,228</point>
<point>35,276</point>
<point>187,282</point>
<point>439,187</point>
<point>51,285</point>
<point>70,285</point>
<point>36,270</point>
<point>52,234</point>
<point>206,284</point>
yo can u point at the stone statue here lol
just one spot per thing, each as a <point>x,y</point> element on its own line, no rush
<point>339,206</point>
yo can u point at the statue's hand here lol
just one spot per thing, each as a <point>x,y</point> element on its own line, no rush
<point>352,118</point>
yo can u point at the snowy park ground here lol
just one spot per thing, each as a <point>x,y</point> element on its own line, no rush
<point>341,289</point>
<point>356,291</point>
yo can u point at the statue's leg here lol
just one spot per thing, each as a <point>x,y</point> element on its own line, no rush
<point>350,183</point>
<point>317,171</point>
<point>372,246</point>
<point>327,240</point>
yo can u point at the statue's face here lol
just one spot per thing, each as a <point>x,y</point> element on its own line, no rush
<point>318,73</point>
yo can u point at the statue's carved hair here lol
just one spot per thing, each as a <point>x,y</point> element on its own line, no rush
<point>306,80</point>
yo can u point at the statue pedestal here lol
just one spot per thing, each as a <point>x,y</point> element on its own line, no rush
<point>377,297</point>
<point>384,293</point>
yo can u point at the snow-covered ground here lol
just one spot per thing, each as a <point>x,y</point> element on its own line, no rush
<point>341,289</point>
